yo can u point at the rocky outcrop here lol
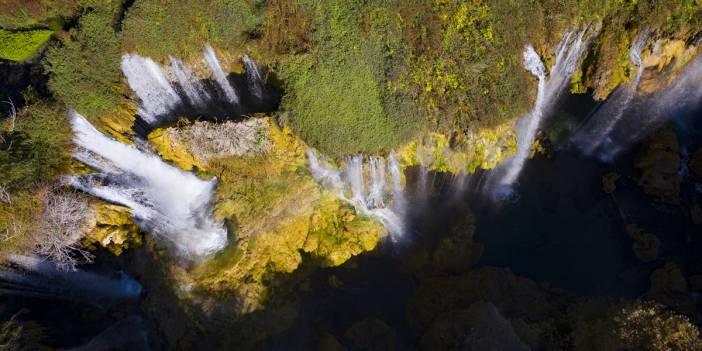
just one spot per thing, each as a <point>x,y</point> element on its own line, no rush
<point>276,211</point>
<point>659,163</point>
<point>112,228</point>
<point>669,287</point>
<point>484,148</point>
<point>646,245</point>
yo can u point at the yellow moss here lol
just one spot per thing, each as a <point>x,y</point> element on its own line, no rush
<point>484,148</point>
<point>172,150</point>
<point>112,228</point>
<point>277,211</point>
<point>119,122</point>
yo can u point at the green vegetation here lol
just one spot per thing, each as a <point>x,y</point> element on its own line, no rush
<point>339,94</point>
<point>23,45</point>
<point>181,28</point>
<point>34,151</point>
<point>84,67</point>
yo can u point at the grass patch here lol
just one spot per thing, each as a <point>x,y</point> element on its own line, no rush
<point>23,45</point>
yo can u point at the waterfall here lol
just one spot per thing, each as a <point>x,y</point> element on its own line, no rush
<point>148,81</point>
<point>350,184</point>
<point>684,93</point>
<point>167,92</point>
<point>596,133</point>
<point>34,277</point>
<point>219,75</point>
<point>170,203</point>
<point>549,90</point>
<point>253,76</point>
<point>192,87</point>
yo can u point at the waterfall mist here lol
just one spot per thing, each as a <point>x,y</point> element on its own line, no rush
<point>549,90</point>
<point>651,112</point>
<point>595,136</point>
<point>33,277</point>
<point>172,204</point>
<point>373,188</point>
<point>168,92</point>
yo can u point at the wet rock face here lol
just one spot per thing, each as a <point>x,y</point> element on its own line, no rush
<point>370,334</point>
<point>659,163</point>
<point>479,327</point>
<point>696,163</point>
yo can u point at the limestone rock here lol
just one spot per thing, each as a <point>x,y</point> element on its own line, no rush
<point>659,163</point>
<point>372,335</point>
<point>669,287</point>
<point>479,327</point>
<point>113,228</point>
<point>696,163</point>
<point>646,245</point>
<point>609,182</point>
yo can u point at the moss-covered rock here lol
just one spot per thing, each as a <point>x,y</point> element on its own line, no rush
<point>484,148</point>
<point>112,228</point>
<point>275,210</point>
<point>659,163</point>
<point>23,45</point>
<point>646,245</point>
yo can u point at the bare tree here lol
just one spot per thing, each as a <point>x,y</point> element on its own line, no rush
<point>5,196</point>
<point>12,117</point>
<point>61,228</point>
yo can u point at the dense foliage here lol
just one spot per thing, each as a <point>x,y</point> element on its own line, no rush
<point>84,67</point>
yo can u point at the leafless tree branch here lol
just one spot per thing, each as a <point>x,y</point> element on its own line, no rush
<point>61,228</point>
<point>5,196</point>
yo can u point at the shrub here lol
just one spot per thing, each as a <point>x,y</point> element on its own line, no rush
<point>338,95</point>
<point>84,67</point>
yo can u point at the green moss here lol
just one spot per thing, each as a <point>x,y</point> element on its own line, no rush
<point>20,46</point>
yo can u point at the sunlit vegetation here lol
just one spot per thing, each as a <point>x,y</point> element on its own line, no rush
<point>23,45</point>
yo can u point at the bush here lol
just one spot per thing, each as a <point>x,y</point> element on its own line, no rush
<point>338,95</point>
<point>85,66</point>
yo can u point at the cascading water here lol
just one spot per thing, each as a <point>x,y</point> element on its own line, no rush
<point>171,203</point>
<point>682,94</point>
<point>549,90</point>
<point>596,133</point>
<point>34,277</point>
<point>253,76</point>
<point>145,77</point>
<point>193,88</point>
<point>168,92</point>
<point>373,200</point>
<point>221,78</point>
